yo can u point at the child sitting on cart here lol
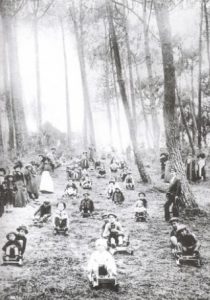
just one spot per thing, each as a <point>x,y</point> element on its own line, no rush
<point>12,248</point>
<point>187,242</point>
<point>71,189</point>
<point>86,205</point>
<point>129,181</point>
<point>113,231</point>
<point>174,222</point>
<point>141,205</point>
<point>61,219</point>
<point>43,214</point>
<point>101,263</point>
<point>21,237</point>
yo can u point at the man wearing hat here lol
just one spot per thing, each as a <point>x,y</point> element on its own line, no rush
<point>86,205</point>
<point>187,241</point>
<point>21,237</point>
<point>173,194</point>
<point>44,212</point>
<point>113,231</point>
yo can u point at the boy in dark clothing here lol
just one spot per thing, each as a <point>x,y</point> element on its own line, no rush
<point>44,212</point>
<point>86,205</point>
<point>12,248</point>
<point>118,197</point>
<point>187,242</point>
<point>21,237</point>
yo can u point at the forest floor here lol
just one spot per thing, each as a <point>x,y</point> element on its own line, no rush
<point>55,267</point>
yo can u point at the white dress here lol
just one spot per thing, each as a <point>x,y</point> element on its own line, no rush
<point>46,184</point>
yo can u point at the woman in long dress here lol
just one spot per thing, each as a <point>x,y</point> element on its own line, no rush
<point>46,184</point>
<point>21,196</point>
<point>31,182</point>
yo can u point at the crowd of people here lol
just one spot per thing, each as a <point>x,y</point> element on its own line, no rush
<point>26,182</point>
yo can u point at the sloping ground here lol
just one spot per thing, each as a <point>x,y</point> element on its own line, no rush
<point>55,266</point>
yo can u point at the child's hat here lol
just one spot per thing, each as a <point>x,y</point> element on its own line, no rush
<point>112,215</point>
<point>180,228</point>
<point>141,193</point>
<point>8,234</point>
<point>46,202</point>
<point>86,193</point>
<point>104,216</point>
<point>22,227</point>
<point>173,219</point>
<point>3,170</point>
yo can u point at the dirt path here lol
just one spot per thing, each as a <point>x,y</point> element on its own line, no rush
<point>55,266</point>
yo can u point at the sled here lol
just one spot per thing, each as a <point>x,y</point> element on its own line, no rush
<point>103,281</point>
<point>60,231</point>
<point>13,260</point>
<point>194,260</point>
<point>122,249</point>
<point>140,217</point>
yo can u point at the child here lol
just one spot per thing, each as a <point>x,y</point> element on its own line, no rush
<point>141,206</point>
<point>43,212</point>
<point>2,175</point>
<point>113,231</point>
<point>187,242</point>
<point>21,237</point>
<point>201,166</point>
<point>111,188</point>
<point>129,182</point>
<point>12,248</point>
<point>101,263</point>
<point>86,183</point>
<point>61,219</point>
<point>118,197</point>
<point>114,167</point>
<point>174,222</point>
<point>86,205</point>
<point>101,172</point>
<point>71,189</point>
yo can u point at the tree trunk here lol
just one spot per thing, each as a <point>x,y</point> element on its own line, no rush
<point>147,130</point>
<point>199,80</point>
<point>68,118</point>
<point>107,99</point>
<point>154,114</point>
<point>80,49</point>
<point>130,69</point>
<point>185,123</point>
<point>121,83</point>
<point>117,109</point>
<point>192,104</point>
<point>170,118</point>
<point>15,85</point>
<point>38,80</point>
<point>207,33</point>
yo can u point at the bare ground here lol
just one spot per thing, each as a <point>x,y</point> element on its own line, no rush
<point>55,266</point>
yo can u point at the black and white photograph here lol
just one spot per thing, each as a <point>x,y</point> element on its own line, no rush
<point>105,149</point>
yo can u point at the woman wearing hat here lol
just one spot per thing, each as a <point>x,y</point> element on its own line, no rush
<point>101,263</point>
<point>10,191</point>
<point>31,182</point>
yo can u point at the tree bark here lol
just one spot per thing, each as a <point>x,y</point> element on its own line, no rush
<point>154,114</point>
<point>38,79</point>
<point>15,85</point>
<point>121,83</point>
<point>199,80</point>
<point>78,29</point>
<point>207,33</point>
<point>170,118</point>
<point>68,118</point>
